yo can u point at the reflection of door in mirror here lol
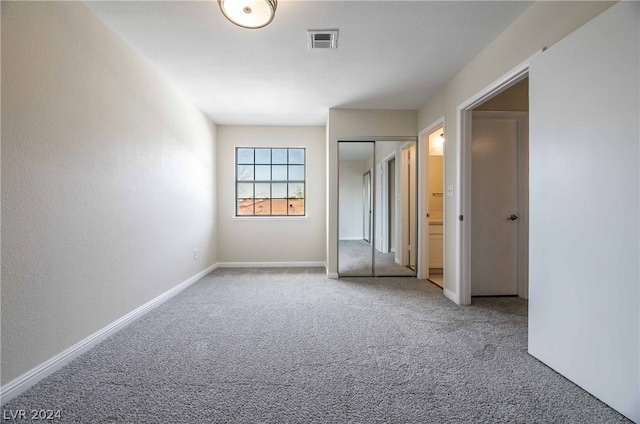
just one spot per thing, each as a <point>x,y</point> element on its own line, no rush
<point>409,206</point>
<point>391,188</point>
<point>391,204</point>
<point>366,206</point>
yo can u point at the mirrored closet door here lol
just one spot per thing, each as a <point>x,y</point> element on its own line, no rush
<point>355,208</point>
<point>377,206</point>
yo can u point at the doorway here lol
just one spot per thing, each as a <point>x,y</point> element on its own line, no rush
<point>498,193</point>
<point>495,189</point>
<point>434,178</point>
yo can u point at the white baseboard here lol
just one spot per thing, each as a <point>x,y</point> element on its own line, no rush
<point>28,379</point>
<point>351,238</point>
<point>270,264</point>
<point>332,275</point>
<point>451,296</point>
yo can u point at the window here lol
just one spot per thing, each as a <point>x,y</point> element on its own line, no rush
<point>270,182</point>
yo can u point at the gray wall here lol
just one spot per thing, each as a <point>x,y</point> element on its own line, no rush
<point>108,182</point>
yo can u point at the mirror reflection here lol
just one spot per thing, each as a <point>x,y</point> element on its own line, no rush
<point>377,183</point>
<point>355,208</point>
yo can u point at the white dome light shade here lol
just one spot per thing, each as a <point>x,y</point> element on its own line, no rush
<point>436,144</point>
<point>249,13</point>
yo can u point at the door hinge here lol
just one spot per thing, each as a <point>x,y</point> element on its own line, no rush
<point>461,217</point>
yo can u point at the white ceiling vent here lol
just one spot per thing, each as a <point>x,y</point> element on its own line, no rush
<point>322,39</point>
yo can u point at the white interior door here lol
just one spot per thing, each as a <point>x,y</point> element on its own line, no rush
<point>494,211</point>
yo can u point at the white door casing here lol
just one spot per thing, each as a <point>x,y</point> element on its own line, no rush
<point>423,211</point>
<point>391,206</point>
<point>413,246</point>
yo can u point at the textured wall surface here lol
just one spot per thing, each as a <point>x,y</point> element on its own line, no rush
<point>108,182</point>
<point>271,239</point>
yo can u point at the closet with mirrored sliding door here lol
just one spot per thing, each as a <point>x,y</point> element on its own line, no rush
<point>377,207</point>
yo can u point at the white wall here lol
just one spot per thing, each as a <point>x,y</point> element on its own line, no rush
<point>543,24</point>
<point>351,199</point>
<point>346,123</point>
<point>108,182</point>
<point>585,208</point>
<point>291,240</point>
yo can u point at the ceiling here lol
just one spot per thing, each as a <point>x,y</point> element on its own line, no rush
<point>355,151</point>
<point>391,54</point>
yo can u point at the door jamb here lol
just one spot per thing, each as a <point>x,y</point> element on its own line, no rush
<point>462,296</point>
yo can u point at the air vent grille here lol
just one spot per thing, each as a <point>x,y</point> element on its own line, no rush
<point>322,39</point>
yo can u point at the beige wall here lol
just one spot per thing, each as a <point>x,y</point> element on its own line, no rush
<point>543,24</point>
<point>354,123</point>
<point>515,98</point>
<point>108,182</point>
<point>281,240</point>
<point>435,186</point>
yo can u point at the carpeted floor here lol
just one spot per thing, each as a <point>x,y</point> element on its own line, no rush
<point>290,346</point>
<point>354,259</point>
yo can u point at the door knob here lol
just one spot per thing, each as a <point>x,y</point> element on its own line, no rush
<point>513,217</point>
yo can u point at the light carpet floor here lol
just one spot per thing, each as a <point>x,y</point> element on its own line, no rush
<point>290,346</point>
<point>354,259</point>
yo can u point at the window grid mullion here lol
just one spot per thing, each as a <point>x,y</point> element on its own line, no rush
<point>287,182</point>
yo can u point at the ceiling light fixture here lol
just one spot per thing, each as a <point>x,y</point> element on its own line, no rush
<point>436,145</point>
<point>249,13</point>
